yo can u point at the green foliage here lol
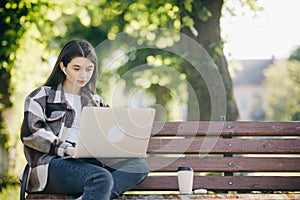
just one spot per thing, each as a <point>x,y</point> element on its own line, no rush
<point>25,30</point>
<point>33,31</point>
<point>10,192</point>
<point>283,86</point>
<point>9,187</point>
<point>233,7</point>
<point>12,23</point>
<point>295,54</point>
<point>188,5</point>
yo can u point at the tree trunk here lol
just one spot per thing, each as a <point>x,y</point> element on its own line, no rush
<point>210,38</point>
<point>161,102</point>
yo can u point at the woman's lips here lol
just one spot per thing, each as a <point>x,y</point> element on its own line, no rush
<point>81,82</point>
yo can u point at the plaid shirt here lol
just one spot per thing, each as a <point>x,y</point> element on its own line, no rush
<point>46,114</point>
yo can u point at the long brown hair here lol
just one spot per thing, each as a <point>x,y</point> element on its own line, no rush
<point>74,48</point>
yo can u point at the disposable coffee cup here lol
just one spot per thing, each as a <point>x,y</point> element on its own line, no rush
<point>185,180</point>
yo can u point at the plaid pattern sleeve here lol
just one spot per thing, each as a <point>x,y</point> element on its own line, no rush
<point>46,115</point>
<point>35,132</point>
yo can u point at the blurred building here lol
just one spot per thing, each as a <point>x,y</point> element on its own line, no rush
<point>249,89</point>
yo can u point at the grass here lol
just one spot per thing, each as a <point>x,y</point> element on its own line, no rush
<point>11,192</point>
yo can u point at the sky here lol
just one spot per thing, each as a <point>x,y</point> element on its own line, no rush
<point>273,32</point>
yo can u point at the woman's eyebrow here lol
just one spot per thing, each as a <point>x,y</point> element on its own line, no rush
<point>78,65</point>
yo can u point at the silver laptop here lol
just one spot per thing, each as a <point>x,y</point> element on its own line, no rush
<point>114,132</point>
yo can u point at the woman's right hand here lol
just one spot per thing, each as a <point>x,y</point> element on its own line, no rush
<point>70,151</point>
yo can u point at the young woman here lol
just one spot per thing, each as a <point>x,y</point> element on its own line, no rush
<point>50,127</point>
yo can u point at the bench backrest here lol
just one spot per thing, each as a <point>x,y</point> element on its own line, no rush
<point>225,156</point>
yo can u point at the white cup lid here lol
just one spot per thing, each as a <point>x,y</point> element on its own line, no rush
<point>200,191</point>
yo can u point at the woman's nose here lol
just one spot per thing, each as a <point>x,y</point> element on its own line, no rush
<point>82,74</point>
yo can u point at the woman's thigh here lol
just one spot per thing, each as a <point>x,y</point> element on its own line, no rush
<point>70,176</point>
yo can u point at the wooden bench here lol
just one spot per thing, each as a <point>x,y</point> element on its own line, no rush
<point>245,160</point>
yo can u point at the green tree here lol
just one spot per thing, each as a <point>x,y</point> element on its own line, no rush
<point>200,20</point>
<point>11,23</point>
<point>11,30</point>
<point>27,28</point>
<point>283,90</point>
<point>32,32</point>
<point>295,54</point>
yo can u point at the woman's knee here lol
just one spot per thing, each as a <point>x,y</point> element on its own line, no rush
<point>101,178</point>
<point>137,167</point>
<point>99,185</point>
<point>140,166</point>
<point>143,168</point>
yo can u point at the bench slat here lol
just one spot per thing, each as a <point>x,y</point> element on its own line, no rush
<point>48,196</point>
<point>219,146</point>
<point>221,138</point>
<point>290,183</point>
<point>223,164</point>
<point>228,128</point>
<point>193,196</point>
<point>213,196</point>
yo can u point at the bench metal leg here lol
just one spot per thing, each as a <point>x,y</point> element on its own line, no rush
<point>24,182</point>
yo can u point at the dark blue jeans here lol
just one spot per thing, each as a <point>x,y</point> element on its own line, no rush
<point>92,179</point>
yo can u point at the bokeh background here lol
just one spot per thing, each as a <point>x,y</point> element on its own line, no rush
<point>254,45</point>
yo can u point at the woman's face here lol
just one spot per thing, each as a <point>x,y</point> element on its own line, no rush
<point>78,73</point>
